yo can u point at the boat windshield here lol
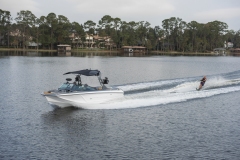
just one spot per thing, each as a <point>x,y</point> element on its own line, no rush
<point>74,87</point>
<point>82,88</point>
<point>65,86</point>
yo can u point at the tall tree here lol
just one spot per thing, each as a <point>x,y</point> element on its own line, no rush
<point>142,30</point>
<point>5,26</point>
<point>90,29</point>
<point>44,32</point>
<point>78,31</point>
<point>27,20</point>
<point>166,27</point>
<point>105,24</point>
<point>193,27</point>
<point>237,39</point>
<point>216,32</point>
<point>116,34</point>
<point>181,37</point>
<point>52,23</point>
<point>159,36</point>
<point>63,30</point>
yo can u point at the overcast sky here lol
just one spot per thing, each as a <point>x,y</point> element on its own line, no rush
<point>153,11</point>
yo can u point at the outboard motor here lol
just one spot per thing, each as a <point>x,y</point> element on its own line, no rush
<point>105,81</point>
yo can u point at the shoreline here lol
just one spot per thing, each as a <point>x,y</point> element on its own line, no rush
<point>55,50</point>
<point>173,53</point>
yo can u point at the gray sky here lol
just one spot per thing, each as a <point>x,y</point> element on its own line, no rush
<point>153,11</point>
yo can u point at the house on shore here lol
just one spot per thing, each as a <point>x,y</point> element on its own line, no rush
<point>235,51</point>
<point>92,41</point>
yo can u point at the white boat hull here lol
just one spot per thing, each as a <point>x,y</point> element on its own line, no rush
<point>85,100</point>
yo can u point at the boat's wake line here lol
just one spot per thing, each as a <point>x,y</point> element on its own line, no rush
<point>159,98</point>
<point>178,85</point>
<point>156,93</point>
<point>215,82</point>
<point>149,85</point>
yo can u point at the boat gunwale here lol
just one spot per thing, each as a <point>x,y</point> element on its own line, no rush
<point>90,92</point>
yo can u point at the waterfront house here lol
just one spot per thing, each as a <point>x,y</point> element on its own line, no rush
<point>92,41</point>
<point>235,51</point>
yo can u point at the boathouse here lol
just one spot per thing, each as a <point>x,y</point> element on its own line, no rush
<point>235,51</point>
<point>219,51</point>
<point>64,48</point>
<point>134,49</point>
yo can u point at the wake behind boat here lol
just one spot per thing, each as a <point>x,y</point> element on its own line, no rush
<point>82,95</point>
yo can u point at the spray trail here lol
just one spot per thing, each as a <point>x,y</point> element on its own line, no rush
<point>173,91</point>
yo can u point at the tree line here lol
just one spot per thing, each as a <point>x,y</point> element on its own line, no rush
<point>174,34</point>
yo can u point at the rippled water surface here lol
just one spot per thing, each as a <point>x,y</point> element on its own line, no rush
<point>161,117</point>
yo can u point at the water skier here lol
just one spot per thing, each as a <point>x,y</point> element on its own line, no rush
<point>203,80</point>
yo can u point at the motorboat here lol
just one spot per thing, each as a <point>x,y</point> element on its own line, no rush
<point>82,95</point>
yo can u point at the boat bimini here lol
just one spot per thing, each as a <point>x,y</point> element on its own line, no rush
<point>81,95</point>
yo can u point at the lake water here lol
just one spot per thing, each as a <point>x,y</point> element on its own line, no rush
<point>161,117</point>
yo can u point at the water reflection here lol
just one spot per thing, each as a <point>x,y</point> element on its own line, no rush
<point>68,54</point>
<point>28,53</point>
<point>77,122</point>
<point>63,54</point>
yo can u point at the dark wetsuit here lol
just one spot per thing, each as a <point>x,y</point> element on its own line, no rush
<point>203,80</point>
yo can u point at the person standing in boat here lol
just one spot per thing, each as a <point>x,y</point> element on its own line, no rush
<point>203,80</point>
